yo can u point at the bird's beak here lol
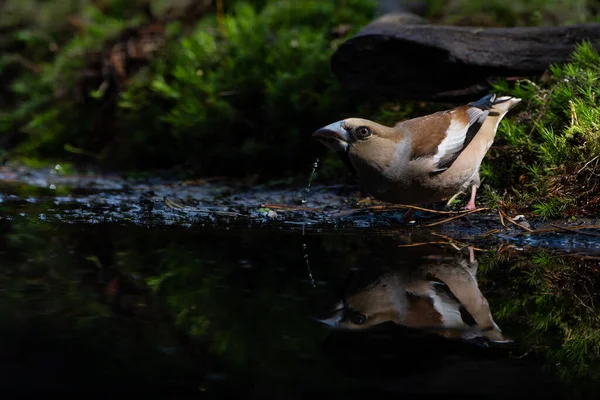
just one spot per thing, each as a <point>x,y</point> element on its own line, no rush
<point>334,136</point>
<point>330,317</point>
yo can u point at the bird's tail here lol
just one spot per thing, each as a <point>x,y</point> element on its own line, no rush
<point>502,105</point>
<point>498,106</point>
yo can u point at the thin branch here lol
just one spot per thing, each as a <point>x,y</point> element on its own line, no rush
<point>456,217</point>
<point>171,204</point>
<point>573,230</point>
<point>421,244</point>
<point>289,208</point>
<point>502,219</point>
<point>516,223</point>
<point>586,164</point>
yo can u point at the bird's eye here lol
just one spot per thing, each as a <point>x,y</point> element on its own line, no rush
<point>363,132</point>
<point>359,319</point>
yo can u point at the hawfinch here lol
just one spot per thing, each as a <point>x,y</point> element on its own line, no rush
<point>442,297</point>
<point>422,160</point>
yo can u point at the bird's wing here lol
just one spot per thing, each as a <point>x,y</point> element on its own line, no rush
<point>444,135</point>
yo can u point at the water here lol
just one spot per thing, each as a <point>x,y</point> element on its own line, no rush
<point>201,307</point>
<point>304,201</point>
<point>310,179</point>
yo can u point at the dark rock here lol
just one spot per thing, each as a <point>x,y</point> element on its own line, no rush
<point>400,55</point>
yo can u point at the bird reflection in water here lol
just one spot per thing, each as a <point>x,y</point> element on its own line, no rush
<point>439,293</point>
<point>425,327</point>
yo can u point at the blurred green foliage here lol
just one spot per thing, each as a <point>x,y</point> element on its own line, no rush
<point>513,13</point>
<point>232,97</point>
<point>247,99</point>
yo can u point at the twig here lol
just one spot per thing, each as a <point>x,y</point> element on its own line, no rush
<point>586,164</point>
<point>444,236</point>
<point>421,244</point>
<point>571,227</point>
<point>488,233</point>
<point>573,230</point>
<point>582,303</point>
<point>516,223</point>
<point>456,217</point>
<point>502,219</point>
<point>539,231</point>
<point>456,241</point>
<point>395,207</point>
<point>172,204</point>
<point>291,208</point>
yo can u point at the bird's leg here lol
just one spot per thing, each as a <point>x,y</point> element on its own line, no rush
<point>471,204</point>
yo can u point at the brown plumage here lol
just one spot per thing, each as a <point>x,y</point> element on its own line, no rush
<point>421,160</point>
<point>440,295</point>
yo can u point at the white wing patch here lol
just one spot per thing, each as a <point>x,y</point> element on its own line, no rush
<point>455,137</point>
<point>457,133</point>
<point>449,311</point>
<point>475,114</point>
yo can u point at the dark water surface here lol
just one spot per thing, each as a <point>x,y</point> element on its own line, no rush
<point>201,309</point>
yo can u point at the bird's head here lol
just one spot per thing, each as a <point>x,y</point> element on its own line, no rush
<point>352,132</point>
<point>360,140</point>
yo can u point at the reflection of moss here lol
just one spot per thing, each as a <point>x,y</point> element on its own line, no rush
<point>57,332</point>
<point>547,302</point>
<point>242,297</point>
<point>237,302</point>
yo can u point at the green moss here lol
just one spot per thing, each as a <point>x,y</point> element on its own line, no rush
<point>545,149</point>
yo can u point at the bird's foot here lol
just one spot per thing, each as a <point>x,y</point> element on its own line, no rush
<point>470,206</point>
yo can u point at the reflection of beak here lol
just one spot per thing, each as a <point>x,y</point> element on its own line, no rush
<point>333,317</point>
<point>333,136</point>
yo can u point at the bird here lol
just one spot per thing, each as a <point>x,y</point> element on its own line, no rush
<point>437,293</point>
<point>421,160</point>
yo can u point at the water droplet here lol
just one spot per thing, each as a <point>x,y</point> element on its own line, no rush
<point>263,205</point>
<point>57,167</point>
<point>315,165</point>
<point>307,190</point>
<point>53,186</point>
<point>306,256</point>
<point>304,246</point>
<point>304,201</point>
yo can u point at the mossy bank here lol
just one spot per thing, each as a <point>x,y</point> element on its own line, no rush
<point>236,88</point>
